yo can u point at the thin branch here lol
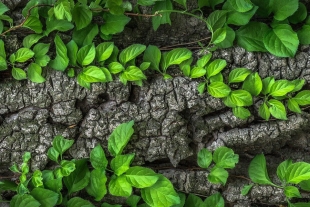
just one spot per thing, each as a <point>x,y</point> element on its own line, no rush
<point>168,47</point>
<point>130,14</point>
<point>26,18</point>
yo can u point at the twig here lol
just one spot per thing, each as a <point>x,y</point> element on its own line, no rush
<point>130,14</point>
<point>26,18</point>
<point>167,47</point>
<point>240,176</point>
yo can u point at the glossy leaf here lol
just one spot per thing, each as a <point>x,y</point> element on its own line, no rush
<point>141,177</point>
<point>281,88</point>
<point>23,54</point>
<point>216,20</point>
<point>241,5</point>
<point>104,51</point>
<point>53,154</point>
<point>202,62</point>
<point>131,52</point>
<point>219,35</point>
<point>241,112</point>
<point>264,111</point>
<point>277,109</point>
<point>18,74</point>
<point>121,163</point>
<point>267,84</point>
<point>153,55</point>
<point>93,74</point>
<point>238,75</point>
<point>218,89</point>
<point>81,15</point>
<point>293,106</point>
<point>284,9</point>
<point>282,169</point>
<point>297,172</point>
<point>133,73</point>
<point>30,40</point>
<point>253,84</point>
<point>176,56</point>
<point>61,144</point>
<point>218,175</point>
<point>86,55</point>
<point>197,72</point>
<point>291,192</point>
<point>215,67</point>
<point>34,73</point>
<point>34,24</point>
<point>240,98</point>
<point>119,186</point>
<point>225,157</point>
<point>303,97</point>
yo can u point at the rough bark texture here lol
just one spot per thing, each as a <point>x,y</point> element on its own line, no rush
<point>172,122</point>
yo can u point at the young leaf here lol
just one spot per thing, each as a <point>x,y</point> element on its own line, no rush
<point>291,192</point>
<point>77,201</point>
<point>133,73</point>
<point>277,109</point>
<point>45,197</point>
<point>215,67</point>
<point>303,97</point>
<point>299,83</point>
<point>293,106</point>
<point>215,200</point>
<point>229,39</point>
<point>81,15</point>
<point>264,111</point>
<point>218,175</point>
<point>121,163</point>
<point>23,54</point>
<point>253,84</point>
<point>202,62</point>
<point>201,87</point>
<point>162,193</point>
<point>197,72</point>
<point>164,18</point>
<point>217,78</point>
<point>67,167</point>
<point>281,41</point>
<point>61,144</point>
<point>176,56</point>
<point>93,74</point>
<point>240,98</point>
<point>97,184</point>
<point>131,52</point>
<point>120,137</point>
<point>238,75</point>
<point>145,65</point>
<point>107,74</point>
<point>62,10</point>
<point>267,84</point>
<point>104,51</point>
<point>119,186</point>
<point>297,172</point>
<point>193,200</point>
<point>241,112</point>
<point>53,154</point>
<point>34,73</point>
<point>153,55</point>
<point>225,157</point>
<point>98,159</point>
<point>34,24</point>
<point>79,178</point>
<point>281,88</point>
<point>219,35</point>
<point>18,74</point>
<point>258,171</point>
<point>218,89</point>
<point>61,61</point>
<point>86,55</point>
<point>216,20</point>
<point>204,158</point>
<point>116,67</point>
<point>141,177</point>
<point>25,200</point>
<point>282,168</point>
<point>245,190</point>
<point>284,9</point>
<point>113,23</point>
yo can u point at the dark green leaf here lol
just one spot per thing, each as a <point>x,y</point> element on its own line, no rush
<point>218,89</point>
<point>133,200</point>
<point>165,17</point>
<point>60,25</point>
<point>86,35</point>
<point>3,64</point>
<point>81,15</point>
<point>98,159</point>
<point>24,201</point>
<point>267,84</point>
<point>241,5</point>
<point>113,23</point>
<point>72,52</point>
<point>193,200</point>
<point>61,61</point>
<point>79,202</point>
<point>97,184</point>
<point>305,185</point>
<point>264,7</point>
<point>216,20</point>
<point>204,158</point>
<point>47,198</point>
<point>34,24</point>
<point>153,55</point>
<point>61,144</point>
<point>215,200</point>
<point>284,9</point>
<point>300,15</point>
<point>303,35</point>
<point>8,185</point>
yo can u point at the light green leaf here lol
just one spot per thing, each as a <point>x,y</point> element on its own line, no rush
<point>61,61</point>
<point>253,84</point>
<point>215,200</point>
<point>176,56</point>
<point>34,24</point>
<point>182,2</point>
<point>284,9</point>
<point>282,168</point>
<point>229,39</point>
<point>131,53</point>
<point>303,35</point>
<point>297,172</point>
<point>60,25</point>
<point>82,81</point>
<point>219,35</point>
<point>47,198</point>
<point>241,112</point>
<point>202,62</point>
<point>40,49</point>
<point>23,54</point>
<point>81,15</point>
<point>93,74</point>
<point>67,167</point>
<point>217,78</point>
<point>71,72</point>
<point>34,73</point>
<point>121,163</point>
<point>145,65</point>
<point>240,98</point>
<point>79,202</point>
<point>116,67</point>
<point>218,89</point>
<point>120,137</point>
<point>303,98</point>
<point>165,17</point>
<point>30,40</point>
<point>281,88</point>
<point>204,158</point>
<point>251,35</point>
<point>241,5</point>
<point>197,72</point>
<point>24,201</point>
<point>141,177</point>
<point>2,49</point>
<point>133,73</point>
<point>97,158</point>
<point>293,106</point>
<point>282,41</point>
<point>258,171</point>
<point>153,55</point>
<point>267,84</point>
<point>3,8</point>
<point>113,23</point>
<point>277,109</point>
<point>201,87</point>
<point>225,157</point>
<point>291,192</point>
<point>216,20</point>
<point>61,144</point>
<point>18,74</point>
<point>53,154</point>
<point>86,55</point>
<point>215,67</point>
<point>238,75</point>
<point>97,184</point>
<point>119,186</point>
<point>104,51</point>
<point>3,64</point>
<point>264,111</point>
<point>63,10</point>
<point>299,83</point>
<point>218,175</point>
<point>245,190</point>
<point>161,194</point>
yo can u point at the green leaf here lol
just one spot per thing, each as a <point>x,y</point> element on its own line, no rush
<point>18,74</point>
<point>86,35</point>
<point>116,67</point>
<point>40,49</point>
<point>253,84</point>
<point>267,84</point>
<point>61,61</point>
<point>104,51</point>
<point>34,24</point>
<point>218,89</point>
<point>304,185</point>
<point>71,72</point>
<point>23,54</point>
<point>202,62</point>
<point>217,78</point>
<point>303,98</point>
<point>109,205</point>
<point>293,106</point>
<point>303,35</point>
<point>113,23</point>
<point>47,198</point>
<point>131,53</point>
<point>34,73</point>
<point>119,186</point>
<point>241,5</point>
<point>201,87</point>
<point>204,158</point>
<point>98,159</point>
<point>165,17</point>
<point>93,74</point>
<point>120,137</point>
<point>176,56</point>
<point>277,109</point>
<point>72,49</point>
<point>239,19</point>
<point>141,177</point>
<point>62,10</point>
<point>86,55</point>
<point>133,73</point>
<point>61,144</point>
<point>241,112</point>
<point>219,35</point>
<point>3,64</point>
<point>53,154</point>
<point>216,20</point>
<point>145,65</point>
<point>282,169</point>
<point>3,8</point>
<point>239,98</point>
<point>161,194</point>
<point>197,72</point>
<point>264,111</point>
<point>115,6</point>
<point>79,178</point>
<point>299,83</point>
<point>146,2</point>
<point>67,167</point>
<point>281,41</point>
<point>218,175</point>
<point>153,55</point>
<point>81,15</point>
<point>281,88</point>
<point>193,200</point>
<point>133,200</point>
<point>251,35</point>
<point>121,163</point>
<point>2,49</point>
<point>215,67</point>
<point>107,74</point>
<point>284,9</point>
<point>60,25</point>
<point>299,204</point>
<point>215,200</point>
<point>97,184</point>
<point>264,7</point>
<point>24,201</point>
<point>238,75</point>
<point>300,15</point>
<point>297,172</point>
<point>182,2</point>
<point>229,39</point>
<point>258,170</point>
<point>225,157</point>
<point>79,202</point>
<point>245,190</point>
<point>30,40</point>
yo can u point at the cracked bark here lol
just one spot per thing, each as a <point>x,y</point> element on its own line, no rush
<point>172,122</point>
